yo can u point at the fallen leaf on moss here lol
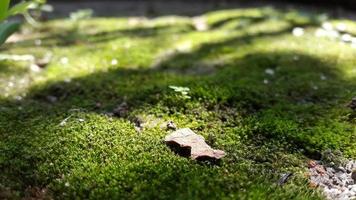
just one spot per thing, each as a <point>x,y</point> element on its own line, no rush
<point>189,144</point>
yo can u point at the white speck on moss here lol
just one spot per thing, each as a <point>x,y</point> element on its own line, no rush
<point>327,26</point>
<point>200,24</point>
<point>35,68</point>
<point>38,42</point>
<point>114,62</point>
<point>346,38</point>
<point>298,31</point>
<point>341,27</point>
<point>184,46</point>
<point>269,71</point>
<point>320,32</point>
<point>64,60</point>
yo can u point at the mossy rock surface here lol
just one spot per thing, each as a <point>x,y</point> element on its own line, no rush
<point>267,123</point>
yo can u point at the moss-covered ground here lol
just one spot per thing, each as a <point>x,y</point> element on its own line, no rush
<point>271,100</point>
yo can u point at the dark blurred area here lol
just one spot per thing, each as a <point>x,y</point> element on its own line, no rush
<point>125,8</point>
<point>335,3</point>
<point>347,4</point>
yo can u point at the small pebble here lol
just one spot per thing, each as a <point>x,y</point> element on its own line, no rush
<point>200,24</point>
<point>64,60</point>
<point>114,62</point>
<point>284,178</point>
<point>333,34</point>
<point>337,183</point>
<point>51,99</point>
<point>327,26</point>
<point>341,27</point>
<point>35,68</point>
<point>353,175</point>
<point>269,71</point>
<point>38,42</point>
<point>320,33</point>
<point>346,38</point>
<point>171,126</point>
<point>353,40</point>
<point>98,105</point>
<point>297,31</point>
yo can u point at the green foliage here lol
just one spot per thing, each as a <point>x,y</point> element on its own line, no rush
<point>183,91</point>
<point>8,28</point>
<point>20,8</point>
<point>4,6</point>
<point>81,14</point>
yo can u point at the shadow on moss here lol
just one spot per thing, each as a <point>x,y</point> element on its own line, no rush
<point>287,113</point>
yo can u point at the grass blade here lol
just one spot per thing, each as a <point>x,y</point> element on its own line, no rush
<point>20,8</point>
<point>4,6</point>
<point>6,29</point>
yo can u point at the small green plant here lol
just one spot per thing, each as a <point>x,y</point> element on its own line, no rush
<point>8,28</point>
<point>81,14</point>
<point>183,91</point>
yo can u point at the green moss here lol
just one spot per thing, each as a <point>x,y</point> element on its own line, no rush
<point>267,124</point>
